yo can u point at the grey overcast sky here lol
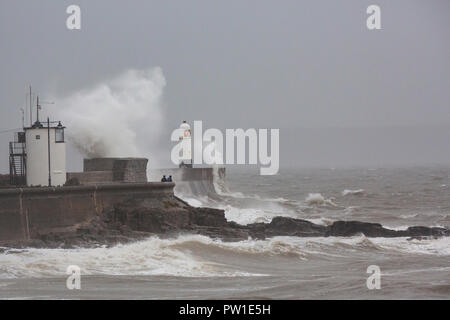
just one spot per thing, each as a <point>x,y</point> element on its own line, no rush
<point>340,94</point>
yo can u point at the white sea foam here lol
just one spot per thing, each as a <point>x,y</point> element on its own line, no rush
<point>397,228</point>
<point>318,199</point>
<point>440,247</point>
<point>195,256</point>
<point>240,195</point>
<point>154,256</point>
<point>352,210</point>
<point>320,221</point>
<point>245,216</point>
<point>193,202</point>
<point>352,192</point>
<point>408,216</point>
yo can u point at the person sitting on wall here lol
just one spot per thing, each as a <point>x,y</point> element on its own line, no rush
<point>164,179</point>
<point>169,179</point>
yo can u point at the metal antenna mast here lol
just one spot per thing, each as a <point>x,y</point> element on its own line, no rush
<point>49,160</point>
<point>31,108</point>
<point>38,106</point>
<point>23,117</point>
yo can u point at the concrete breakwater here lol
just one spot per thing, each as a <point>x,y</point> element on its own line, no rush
<point>26,213</point>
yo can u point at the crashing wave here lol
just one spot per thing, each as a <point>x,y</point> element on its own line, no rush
<point>201,256</point>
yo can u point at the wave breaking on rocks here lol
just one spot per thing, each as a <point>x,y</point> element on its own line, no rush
<point>138,219</point>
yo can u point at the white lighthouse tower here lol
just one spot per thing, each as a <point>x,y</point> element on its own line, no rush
<point>186,144</point>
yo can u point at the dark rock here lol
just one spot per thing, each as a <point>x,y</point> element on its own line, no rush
<point>170,216</point>
<point>351,228</point>
<point>426,231</point>
<point>284,226</point>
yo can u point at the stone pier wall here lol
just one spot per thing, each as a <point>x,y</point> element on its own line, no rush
<point>26,212</point>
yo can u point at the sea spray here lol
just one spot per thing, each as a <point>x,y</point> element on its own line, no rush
<point>119,117</point>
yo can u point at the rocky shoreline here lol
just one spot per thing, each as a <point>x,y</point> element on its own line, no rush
<point>138,219</point>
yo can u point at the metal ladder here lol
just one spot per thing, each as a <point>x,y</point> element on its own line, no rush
<point>17,164</point>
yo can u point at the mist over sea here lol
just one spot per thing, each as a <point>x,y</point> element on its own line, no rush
<point>197,267</point>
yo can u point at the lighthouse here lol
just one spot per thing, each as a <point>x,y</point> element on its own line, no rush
<point>186,145</point>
